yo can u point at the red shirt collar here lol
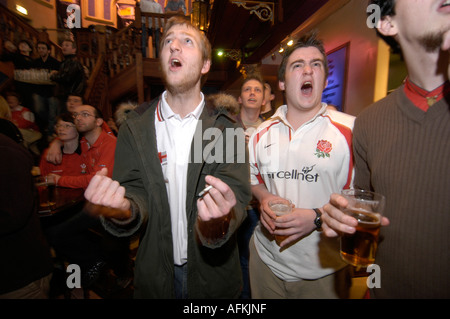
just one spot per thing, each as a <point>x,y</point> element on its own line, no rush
<point>421,97</point>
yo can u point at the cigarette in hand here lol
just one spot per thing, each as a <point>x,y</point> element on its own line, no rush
<point>204,191</point>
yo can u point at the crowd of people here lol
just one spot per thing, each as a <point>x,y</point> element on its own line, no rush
<point>64,138</point>
<point>37,98</point>
<point>201,205</point>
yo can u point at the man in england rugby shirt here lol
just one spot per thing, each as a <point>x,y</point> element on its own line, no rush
<point>302,153</point>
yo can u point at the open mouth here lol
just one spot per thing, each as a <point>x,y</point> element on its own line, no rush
<point>307,88</point>
<point>445,4</point>
<point>175,63</point>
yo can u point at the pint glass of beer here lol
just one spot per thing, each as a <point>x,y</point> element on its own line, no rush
<point>280,207</point>
<point>46,188</point>
<point>367,207</point>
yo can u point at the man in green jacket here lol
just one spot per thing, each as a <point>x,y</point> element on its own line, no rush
<point>167,152</point>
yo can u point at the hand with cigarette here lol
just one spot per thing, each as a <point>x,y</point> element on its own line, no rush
<point>215,201</point>
<point>215,211</point>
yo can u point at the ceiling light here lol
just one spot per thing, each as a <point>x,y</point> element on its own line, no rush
<point>291,42</point>
<point>21,9</point>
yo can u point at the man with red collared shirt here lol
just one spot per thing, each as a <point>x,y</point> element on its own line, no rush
<point>69,238</point>
<point>401,148</point>
<point>97,147</point>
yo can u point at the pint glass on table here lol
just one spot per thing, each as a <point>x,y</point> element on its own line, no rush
<point>359,249</point>
<point>46,188</point>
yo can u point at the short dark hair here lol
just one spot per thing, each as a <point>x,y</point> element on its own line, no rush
<point>77,95</point>
<point>74,45</point>
<point>253,76</point>
<point>387,8</point>
<point>65,117</point>
<point>44,43</point>
<point>308,40</point>
<point>15,94</point>
<point>98,114</point>
<point>27,42</point>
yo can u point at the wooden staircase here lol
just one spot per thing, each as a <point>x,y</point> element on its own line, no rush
<point>120,72</point>
<point>14,28</point>
<point>117,69</point>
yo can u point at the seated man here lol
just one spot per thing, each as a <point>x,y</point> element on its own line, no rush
<point>24,118</point>
<point>97,147</point>
<point>73,239</point>
<point>53,154</point>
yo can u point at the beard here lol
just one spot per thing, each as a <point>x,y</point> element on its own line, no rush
<point>432,42</point>
<point>184,84</point>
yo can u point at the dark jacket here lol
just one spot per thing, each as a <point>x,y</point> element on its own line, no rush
<point>23,247</point>
<point>20,61</point>
<point>71,78</point>
<point>51,64</point>
<point>213,268</point>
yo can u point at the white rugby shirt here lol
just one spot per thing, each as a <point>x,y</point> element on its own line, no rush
<point>174,138</point>
<point>305,166</point>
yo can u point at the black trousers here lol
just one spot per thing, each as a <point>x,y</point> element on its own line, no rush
<point>82,240</point>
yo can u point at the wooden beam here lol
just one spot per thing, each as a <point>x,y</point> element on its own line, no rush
<point>140,77</point>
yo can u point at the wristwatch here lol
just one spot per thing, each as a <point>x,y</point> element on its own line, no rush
<point>318,219</point>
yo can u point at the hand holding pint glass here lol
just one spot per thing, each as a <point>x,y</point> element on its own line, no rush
<point>280,207</point>
<point>359,249</point>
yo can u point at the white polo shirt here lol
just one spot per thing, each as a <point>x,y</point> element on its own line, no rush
<point>305,166</point>
<point>174,138</point>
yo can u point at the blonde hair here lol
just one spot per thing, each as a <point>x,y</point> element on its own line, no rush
<point>5,110</point>
<point>205,45</point>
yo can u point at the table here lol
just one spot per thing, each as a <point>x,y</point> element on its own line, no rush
<point>69,201</point>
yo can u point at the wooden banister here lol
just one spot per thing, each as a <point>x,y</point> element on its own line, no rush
<point>14,28</point>
<point>156,21</point>
<point>104,51</point>
<point>93,76</point>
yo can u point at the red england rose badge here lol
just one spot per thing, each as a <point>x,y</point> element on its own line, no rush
<point>323,149</point>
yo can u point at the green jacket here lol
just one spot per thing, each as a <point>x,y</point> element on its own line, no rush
<point>213,267</point>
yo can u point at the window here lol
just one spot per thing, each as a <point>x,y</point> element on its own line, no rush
<point>99,11</point>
